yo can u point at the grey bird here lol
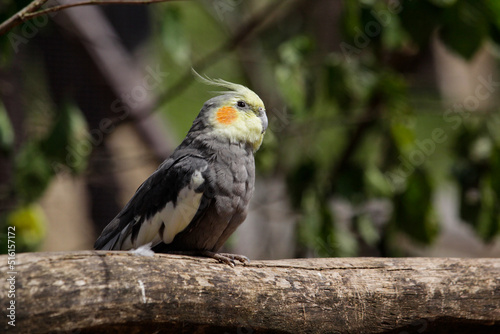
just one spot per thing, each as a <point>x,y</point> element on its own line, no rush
<point>198,197</point>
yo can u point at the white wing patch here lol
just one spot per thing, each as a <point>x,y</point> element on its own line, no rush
<point>175,218</point>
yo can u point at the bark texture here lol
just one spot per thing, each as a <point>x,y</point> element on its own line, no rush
<point>115,292</point>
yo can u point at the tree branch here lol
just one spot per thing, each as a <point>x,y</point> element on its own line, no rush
<point>19,17</point>
<point>113,292</point>
<point>31,11</point>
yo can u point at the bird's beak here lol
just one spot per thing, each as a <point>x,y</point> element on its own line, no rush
<point>263,119</point>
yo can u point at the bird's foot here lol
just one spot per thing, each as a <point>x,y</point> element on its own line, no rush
<point>226,258</point>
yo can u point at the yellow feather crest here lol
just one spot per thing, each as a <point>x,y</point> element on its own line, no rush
<point>236,89</point>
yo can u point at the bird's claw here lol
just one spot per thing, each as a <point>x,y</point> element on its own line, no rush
<point>227,258</point>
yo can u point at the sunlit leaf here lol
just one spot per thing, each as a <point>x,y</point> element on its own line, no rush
<point>377,183</point>
<point>30,226</point>
<point>403,135</point>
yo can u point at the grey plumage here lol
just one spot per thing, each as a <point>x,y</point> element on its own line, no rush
<point>206,185</point>
<point>229,186</point>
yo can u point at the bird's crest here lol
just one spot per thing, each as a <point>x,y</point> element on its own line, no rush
<point>234,89</point>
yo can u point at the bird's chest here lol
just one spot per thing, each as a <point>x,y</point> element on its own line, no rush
<point>234,183</point>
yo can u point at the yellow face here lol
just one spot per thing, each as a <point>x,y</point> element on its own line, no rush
<point>241,119</point>
<point>238,115</point>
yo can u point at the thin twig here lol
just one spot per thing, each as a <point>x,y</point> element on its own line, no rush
<point>31,11</point>
<point>20,16</point>
<point>91,2</point>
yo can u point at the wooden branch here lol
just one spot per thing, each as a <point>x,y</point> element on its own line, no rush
<point>33,9</point>
<point>115,292</point>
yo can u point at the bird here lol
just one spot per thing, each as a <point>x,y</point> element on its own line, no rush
<point>199,195</point>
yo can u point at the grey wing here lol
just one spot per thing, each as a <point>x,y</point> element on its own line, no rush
<point>162,206</point>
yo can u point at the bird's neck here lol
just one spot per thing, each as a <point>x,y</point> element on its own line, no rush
<point>209,143</point>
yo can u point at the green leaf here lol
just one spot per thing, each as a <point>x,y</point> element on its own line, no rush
<point>403,136</point>
<point>412,19</point>
<point>30,224</point>
<point>393,34</point>
<point>465,28</point>
<point>32,173</point>
<point>376,183</point>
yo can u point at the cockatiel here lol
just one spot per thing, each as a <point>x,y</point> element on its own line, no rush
<point>198,197</point>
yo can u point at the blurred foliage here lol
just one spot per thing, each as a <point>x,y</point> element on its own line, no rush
<point>476,170</point>
<point>64,146</point>
<point>364,142</point>
<point>344,128</point>
<point>30,227</point>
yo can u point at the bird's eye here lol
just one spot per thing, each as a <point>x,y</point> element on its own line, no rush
<point>241,104</point>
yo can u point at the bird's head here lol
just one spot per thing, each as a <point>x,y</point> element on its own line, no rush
<point>238,114</point>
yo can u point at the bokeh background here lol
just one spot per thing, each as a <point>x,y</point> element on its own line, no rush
<point>384,127</point>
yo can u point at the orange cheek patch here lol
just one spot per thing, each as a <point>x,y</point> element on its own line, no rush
<point>226,115</point>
